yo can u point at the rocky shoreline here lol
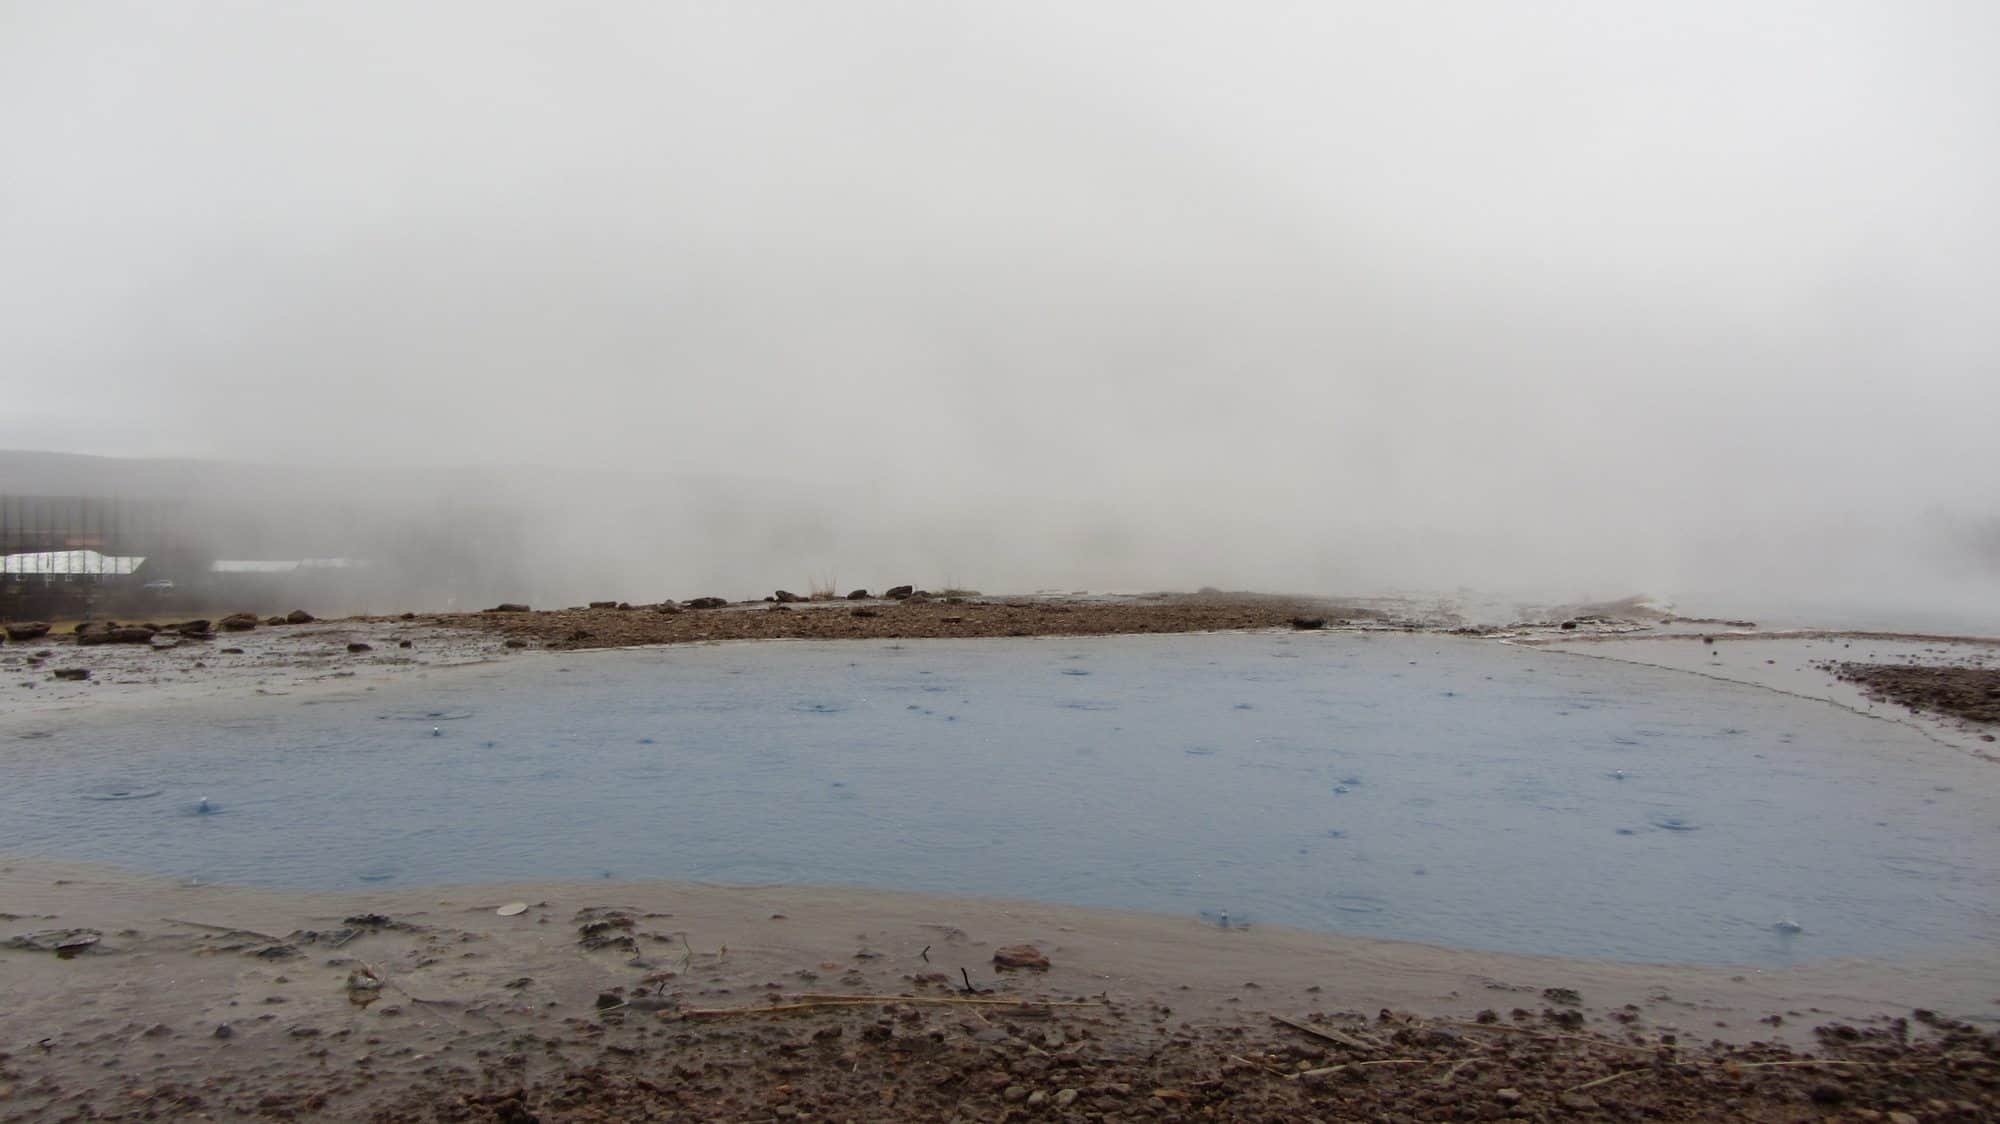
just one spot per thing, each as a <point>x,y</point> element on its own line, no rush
<point>904,613</point>
<point>138,998</point>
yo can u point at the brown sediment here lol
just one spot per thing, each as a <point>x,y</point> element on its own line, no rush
<point>1970,693</point>
<point>814,1003</point>
<point>930,617</point>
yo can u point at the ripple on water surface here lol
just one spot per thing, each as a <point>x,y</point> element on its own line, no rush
<point>1572,807</point>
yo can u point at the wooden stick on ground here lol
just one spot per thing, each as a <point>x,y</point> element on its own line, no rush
<point>806,1003</point>
<point>224,929</point>
<point>1357,1065</point>
<point>1548,1036</point>
<point>1327,1033</point>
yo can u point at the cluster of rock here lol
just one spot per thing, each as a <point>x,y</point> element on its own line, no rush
<point>779,597</point>
<point>91,633</point>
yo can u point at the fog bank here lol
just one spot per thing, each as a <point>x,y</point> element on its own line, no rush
<point>1565,299</point>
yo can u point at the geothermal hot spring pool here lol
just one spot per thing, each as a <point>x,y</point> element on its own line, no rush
<point>1453,792</point>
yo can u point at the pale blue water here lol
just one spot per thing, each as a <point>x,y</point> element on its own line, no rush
<point>1446,791</point>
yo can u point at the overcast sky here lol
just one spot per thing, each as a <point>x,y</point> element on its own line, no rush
<point>1631,293</point>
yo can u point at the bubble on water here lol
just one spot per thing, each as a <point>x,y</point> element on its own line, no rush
<point>1789,928</point>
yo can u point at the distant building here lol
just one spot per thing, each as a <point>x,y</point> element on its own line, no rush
<point>68,565</point>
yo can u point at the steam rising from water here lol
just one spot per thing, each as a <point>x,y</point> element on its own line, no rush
<point>663,298</point>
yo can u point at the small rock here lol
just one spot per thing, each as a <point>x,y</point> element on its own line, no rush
<point>1066,1097</point>
<point>1037,1099</point>
<point>508,607</point>
<point>298,616</point>
<point>517,643</point>
<point>238,622</point>
<point>707,603</point>
<point>224,1030</point>
<point>158,1030</point>
<point>71,673</point>
<point>274,620</point>
<point>358,646</point>
<point>65,943</point>
<point>404,644</point>
<point>1902,1118</point>
<point>857,595</point>
<point>1308,624</point>
<point>1509,1097</point>
<point>1015,1094</point>
<point>900,593</point>
<point>1020,956</point>
<point>863,611</point>
<point>786,597</point>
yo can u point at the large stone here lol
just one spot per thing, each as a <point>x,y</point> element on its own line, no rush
<point>27,630</point>
<point>74,674</point>
<point>786,597</point>
<point>604,604</point>
<point>1020,956</point>
<point>509,607</point>
<point>193,630</point>
<point>298,616</point>
<point>239,622</point>
<point>858,595</point>
<point>707,603</point>
<point>127,634</point>
<point>900,592</point>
